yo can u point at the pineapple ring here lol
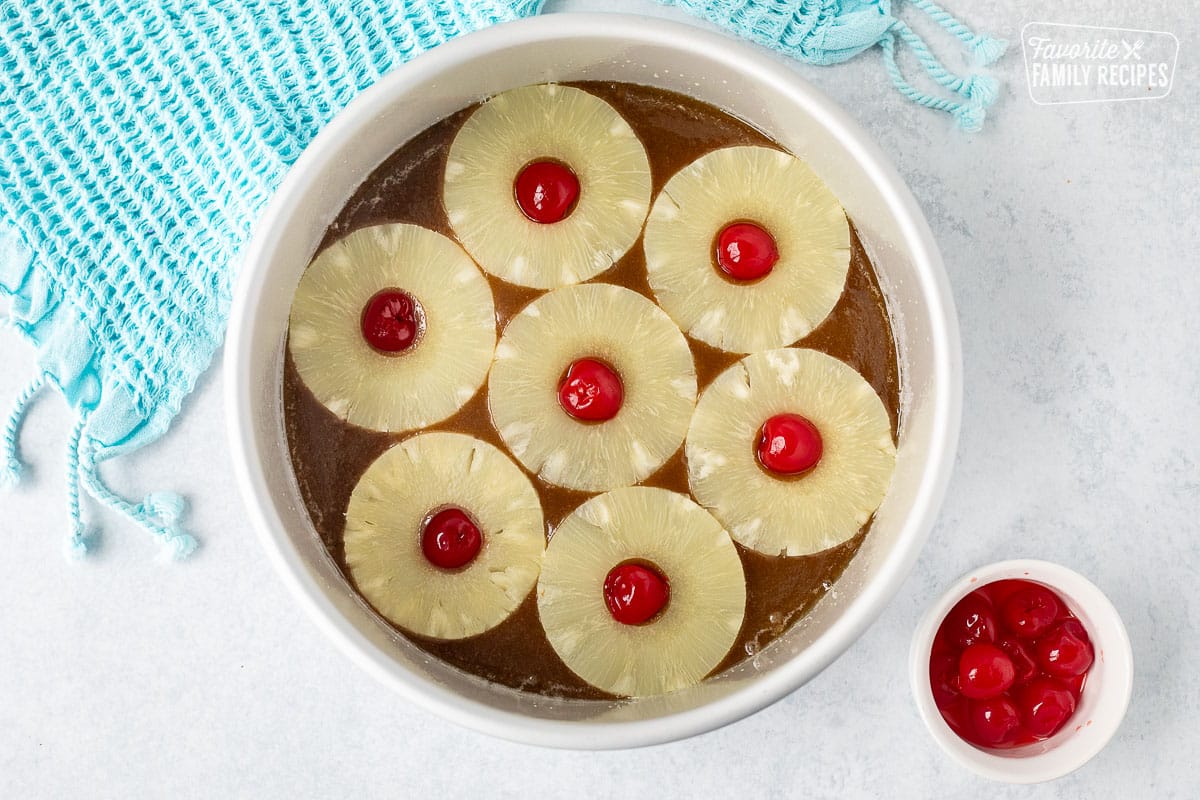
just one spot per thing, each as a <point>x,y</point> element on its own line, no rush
<point>432,379</point>
<point>633,336</point>
<point>813,512</point>
<point>693,632</point>
<point>782,194</point>
<point>536,123</point>
<point>384,522</point>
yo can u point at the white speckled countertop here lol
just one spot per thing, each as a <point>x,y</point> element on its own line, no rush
<point>1071,237</point>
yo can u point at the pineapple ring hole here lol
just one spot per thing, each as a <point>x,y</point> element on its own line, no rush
<point>392,321</point>
<point>788,446</point>
<point>546,190</point>
<point>636,592</point>
<point>591,390</point>
<point>744,251</point>
<point>451,538</point>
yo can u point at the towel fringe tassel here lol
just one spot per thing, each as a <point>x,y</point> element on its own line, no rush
<point>159,513</point>
<point>11,467</point>
<point>979,90</point>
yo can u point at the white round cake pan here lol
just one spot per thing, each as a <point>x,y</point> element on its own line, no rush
<point>750,84</point>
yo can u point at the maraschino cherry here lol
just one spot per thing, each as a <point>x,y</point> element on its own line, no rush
<point>591,391</point>
<point>1023,664</point>
<point>745,251</point>
<point>546,191</point>
<point>1030,611</point>
<point>994,721</point>
<point>1008,664</point>
<point>391,321</point>
<point>635,593</point>
<point>984,671</point>
<point>1065,651</point>
<point>971,620</point>
<point>788,444</point>
<point>1045,704</point>
<point>451,539</point>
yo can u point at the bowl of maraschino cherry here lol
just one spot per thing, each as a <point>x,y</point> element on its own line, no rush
<point>1022,671</point>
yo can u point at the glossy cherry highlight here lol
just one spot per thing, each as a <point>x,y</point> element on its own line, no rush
<point>451,539</point>
<point>391,321</point>
<point>591,391</point>
<point>788,444</point>
<point>745,251</point>
<point>635,593</point>
<point>546,191</point>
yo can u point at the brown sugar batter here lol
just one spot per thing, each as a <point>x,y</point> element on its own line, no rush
<point>329,455</point>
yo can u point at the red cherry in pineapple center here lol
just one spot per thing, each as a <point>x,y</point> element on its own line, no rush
<point>451,539</point>
<point>391,321</point>
<point>546,191</point>
<point>788,444</point>
<point>635,593</point>
<point>591,391</point>
<point>745,251</point>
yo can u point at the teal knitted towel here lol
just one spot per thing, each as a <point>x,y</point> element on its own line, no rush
<point>140,139</point>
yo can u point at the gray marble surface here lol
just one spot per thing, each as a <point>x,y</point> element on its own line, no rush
<point>1070,236</point>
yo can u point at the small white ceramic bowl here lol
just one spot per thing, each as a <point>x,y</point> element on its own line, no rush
<point>747,82</point>
<point>1105,693</point>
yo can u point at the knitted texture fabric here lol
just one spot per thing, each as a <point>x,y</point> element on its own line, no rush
<point>140,139</point>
